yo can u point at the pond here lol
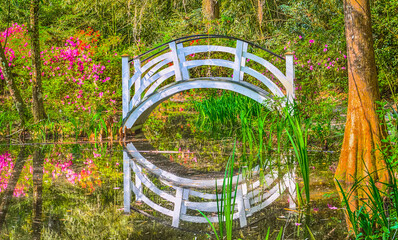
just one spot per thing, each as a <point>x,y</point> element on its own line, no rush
<point>70,191</point>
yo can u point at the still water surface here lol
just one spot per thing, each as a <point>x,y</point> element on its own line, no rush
<point>76,191</point>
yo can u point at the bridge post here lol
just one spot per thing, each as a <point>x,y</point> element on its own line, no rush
<point>241,207</point>
<point>290,76</point>
<point>241,47</point>
<point>137,85</point>
<point>125,84</point>
<point>181,58</point>
<point>126,182</point>
<point>176,63</point>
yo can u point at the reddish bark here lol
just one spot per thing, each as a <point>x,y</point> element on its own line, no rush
<point>364,130</point>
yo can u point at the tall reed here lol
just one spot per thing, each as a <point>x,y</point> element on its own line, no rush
<point>298,139</point>
<point>226,204</point>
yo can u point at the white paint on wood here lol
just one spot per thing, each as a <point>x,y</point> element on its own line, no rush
<point>274,70</point>
<point>177,208</point>
<point>243,61</point>
<point>210,62</point>
<point>181,58</point>
<point>137,84</point>
<point>207,48</point>
<point>271,86</point>
<point>164,57</point>
<point>153,70</point>
<point>290,76</point>
<point>176,63</point>
<point>126,182</point>
<point>241,207</point>
<point>153,205</point>
<point>238,59</point>
<point>125,84</point>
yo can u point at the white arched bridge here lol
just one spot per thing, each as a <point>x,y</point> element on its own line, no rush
<point>152,85</point>
<point>167,70</point>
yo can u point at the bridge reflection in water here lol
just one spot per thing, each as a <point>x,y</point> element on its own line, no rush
<point>179,197</point>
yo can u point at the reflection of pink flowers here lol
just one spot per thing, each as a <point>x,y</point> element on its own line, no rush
<point>332,207</point>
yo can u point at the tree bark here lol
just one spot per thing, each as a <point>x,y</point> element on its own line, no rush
<point>211,9</point>
<point>12,88</point>
<point>260,14</point>
<point>37,95</point>
<point>361,154</point>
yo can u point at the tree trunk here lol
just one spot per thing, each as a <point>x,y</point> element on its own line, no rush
<point>211,9</point>
<point>12,88</point>
<point>260,14</point>
<point>360,154</point>
<point>37,95</point>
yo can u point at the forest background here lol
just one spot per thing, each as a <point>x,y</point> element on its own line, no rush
<point>82,41</point>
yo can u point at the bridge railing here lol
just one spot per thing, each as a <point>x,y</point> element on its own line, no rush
<point>191,195</point>
<point>173,61</point>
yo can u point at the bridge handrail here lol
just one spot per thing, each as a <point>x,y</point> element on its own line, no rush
<point>198,37</point>
<point>154,74</point>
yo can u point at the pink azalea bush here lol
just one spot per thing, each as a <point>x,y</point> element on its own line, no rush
<point>79,74</point>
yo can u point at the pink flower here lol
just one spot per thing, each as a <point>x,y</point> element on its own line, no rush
<point>297,224</point>
<point>300,37</point>
<point>325,50</point>
<point>311,40</point>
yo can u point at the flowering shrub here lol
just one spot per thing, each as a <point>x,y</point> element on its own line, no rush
<point>76,73</point>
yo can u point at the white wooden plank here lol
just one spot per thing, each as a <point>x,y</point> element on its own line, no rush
<point>246,200</point>
<point>243,61</point>
<point>263,204</point>
<point>274,70</point>
<point>181,58</point>
<point>176,63</point>
<point>138,182</point>
<point>271,86</point>
<point>153,205</point>
<point>177,208</point>
<point>196,219</point>
<point>290,77</point>
<point>125,84</point>
<point>208,196</point>
<point>150,185</point>
<point>137,96</point>
<point>185,198</point>
<point>276,189</point>
<point>207,48</point>
<point>137,84</point>
<point>204,206</point>
<point>160,58</point>
<point>153,70</point>
<point>158,82</point>
<point>238,59</point>
<point>126,182</point>
<point>211,62</point>
<point>241,207</point>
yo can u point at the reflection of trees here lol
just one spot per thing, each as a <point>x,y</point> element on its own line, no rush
<point>19,163</point>
<point>37,193</point>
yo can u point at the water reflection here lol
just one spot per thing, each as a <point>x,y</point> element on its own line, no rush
<point>179,195</point>
<point>10,186</point>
